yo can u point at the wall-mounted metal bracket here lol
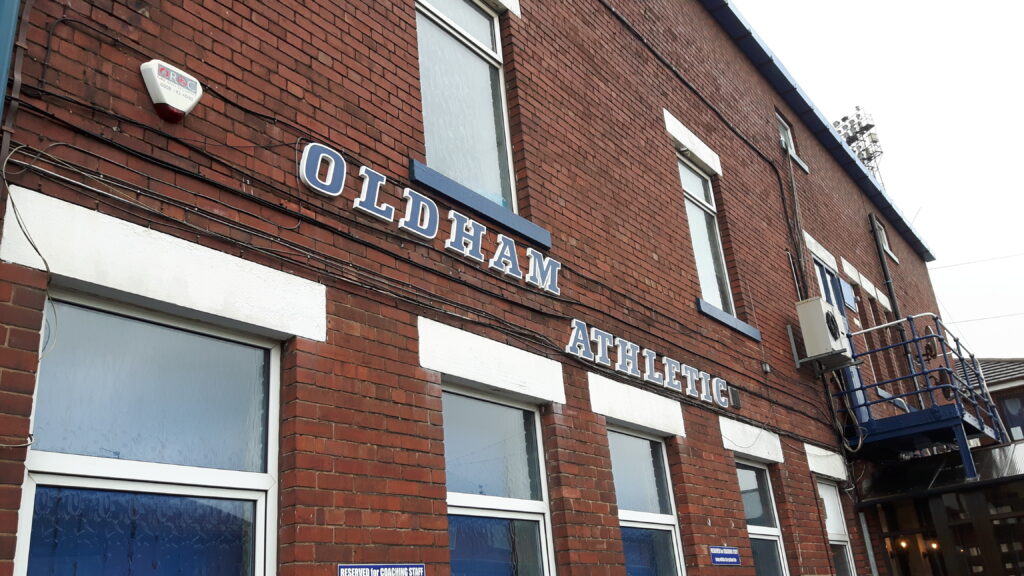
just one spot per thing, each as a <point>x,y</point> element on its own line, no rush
<point>821,363</point>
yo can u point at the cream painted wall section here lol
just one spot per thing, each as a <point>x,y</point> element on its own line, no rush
<point>826,462</point>
<point>632,406</point>
<point>99,250</point>
<point>750,441</point>
<point>482,361</point>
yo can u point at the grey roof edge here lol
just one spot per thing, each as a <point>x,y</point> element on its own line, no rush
<point>729,18</point>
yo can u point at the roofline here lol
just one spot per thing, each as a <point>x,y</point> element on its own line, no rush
<point>782,81</point>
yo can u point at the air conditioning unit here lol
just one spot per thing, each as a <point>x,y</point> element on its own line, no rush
<point>824,332</point>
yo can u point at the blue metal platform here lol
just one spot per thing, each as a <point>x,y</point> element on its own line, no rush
<point>915,387</point>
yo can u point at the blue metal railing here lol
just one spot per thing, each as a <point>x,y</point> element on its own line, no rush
<point>928,368</point>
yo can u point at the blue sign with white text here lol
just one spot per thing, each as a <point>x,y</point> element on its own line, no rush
<point>725,556</point>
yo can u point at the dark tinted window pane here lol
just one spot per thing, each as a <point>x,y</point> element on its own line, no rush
<point>494,547</point>
<point>89,532</point>
<point>122,388</point>
<point>648,552</point>
<point>490,449</point>
<point>1013,414</point>
<point>639,472</point>
<point>766,557</point>
<point>757,501</point>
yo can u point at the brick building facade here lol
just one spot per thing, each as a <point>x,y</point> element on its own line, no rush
<point>492,285</point>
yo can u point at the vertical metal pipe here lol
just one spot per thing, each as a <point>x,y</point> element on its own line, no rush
<point>8,26</point>
<point>868,545</point>
<point>890,289</point>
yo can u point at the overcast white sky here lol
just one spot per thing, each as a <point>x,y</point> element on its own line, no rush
<point>945,83</point>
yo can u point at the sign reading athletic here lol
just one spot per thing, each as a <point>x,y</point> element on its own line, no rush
<point>594,345</point>
<point>323,169</point>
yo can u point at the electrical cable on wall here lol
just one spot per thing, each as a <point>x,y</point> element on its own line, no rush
<point>518,333</point>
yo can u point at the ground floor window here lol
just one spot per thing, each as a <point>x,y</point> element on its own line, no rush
<point>498,519</point>
<point>835,525</point>
<point>762,521</point>
<point>650,534</point>
<point>155,447</point>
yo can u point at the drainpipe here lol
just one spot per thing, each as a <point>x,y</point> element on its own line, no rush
<point>8,23</point>
<point>890,289</point>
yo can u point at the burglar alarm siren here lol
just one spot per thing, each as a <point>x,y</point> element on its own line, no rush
<point>174,93</point>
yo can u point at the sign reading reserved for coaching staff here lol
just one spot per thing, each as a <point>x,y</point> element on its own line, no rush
<point>382,570</point>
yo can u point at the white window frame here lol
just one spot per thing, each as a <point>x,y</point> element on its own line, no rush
<point>729,307</point>
<point>463,504</point>
<point>651,521</point>
<point>884,235</point>
<point>837,538</point>
<point>787,142</point>
<point>77,471</point>
<point>766,532</point>
<point>493,57</point>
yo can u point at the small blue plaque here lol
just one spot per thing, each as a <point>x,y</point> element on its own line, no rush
<point>382,570</point>
<point>724,556</point>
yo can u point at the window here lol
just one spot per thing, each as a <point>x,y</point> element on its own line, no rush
<point>461,80</point>
<point>650,536</point>
<point>762,522</point>
<point>787,142</point>
<point>835,525</point>
<point>786,136</point>
<point>707,245</point>
<point>497,501</point>
<point>849,298</point>
<point>1011,405</point>
<point>153,440</point>
<point>883,237</point>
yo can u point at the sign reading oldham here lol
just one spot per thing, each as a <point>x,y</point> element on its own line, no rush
<point>382,570</point>
<point>725,556</point>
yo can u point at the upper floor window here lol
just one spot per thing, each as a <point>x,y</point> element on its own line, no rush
<point>707,244</point>
<point>1011,404</point>
<point>883,238</point>
<point>650,538</point>
<point>787,142</point>
<point>786,136</point>
<point>464,117</point>
<point>497,510</point>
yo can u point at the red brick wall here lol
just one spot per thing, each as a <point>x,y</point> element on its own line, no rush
<point>362,469</point>
<point>22,294</point>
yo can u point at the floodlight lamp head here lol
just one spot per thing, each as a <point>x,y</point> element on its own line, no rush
<point>174,93</point>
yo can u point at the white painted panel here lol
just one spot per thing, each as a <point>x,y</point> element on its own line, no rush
<point>632,406</point>
<point>486,362</point>
<point>868,288</point>
<point>503,5</point>
<point>852,273</point>
<point>750,441</point>
<point>820,251</point>
<point>85,246</point>
<point>697,151</point>
<point>825,462</point>
<point>883,301</point>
